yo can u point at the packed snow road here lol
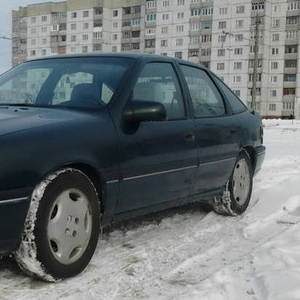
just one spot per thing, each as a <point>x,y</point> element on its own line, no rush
<point>189,253</point>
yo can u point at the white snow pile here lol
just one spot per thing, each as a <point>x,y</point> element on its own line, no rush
<point>195,254</point>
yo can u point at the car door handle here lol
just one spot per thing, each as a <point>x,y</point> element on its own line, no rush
<point>233,130</point>
<point>189,137</point>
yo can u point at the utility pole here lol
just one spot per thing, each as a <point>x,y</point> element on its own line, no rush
<point>256,37</point>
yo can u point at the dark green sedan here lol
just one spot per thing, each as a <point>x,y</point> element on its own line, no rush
<point>90,140</point>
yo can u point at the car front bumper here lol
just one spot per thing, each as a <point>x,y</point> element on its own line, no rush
<point>13,212</point>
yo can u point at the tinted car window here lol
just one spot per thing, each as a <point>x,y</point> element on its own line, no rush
<point>236,104</point>
<point>206,99</point>
<point>158,82</point>
<point>70,82</point>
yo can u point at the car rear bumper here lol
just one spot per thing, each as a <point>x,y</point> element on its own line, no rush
<point>12,216</point>
<point>260,153</point>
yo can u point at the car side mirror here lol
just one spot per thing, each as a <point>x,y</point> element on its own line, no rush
<point>142,111</point>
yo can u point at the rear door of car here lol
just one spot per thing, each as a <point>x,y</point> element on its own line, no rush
<point>158,160</point>
<point>216,130</point>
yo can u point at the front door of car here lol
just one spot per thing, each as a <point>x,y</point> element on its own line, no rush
<point>216,131</point>
<point>158,159</point>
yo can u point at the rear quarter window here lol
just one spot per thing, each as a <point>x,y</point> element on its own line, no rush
<point>236,104</point>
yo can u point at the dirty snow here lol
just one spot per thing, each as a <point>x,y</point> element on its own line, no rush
<point>189,253</point>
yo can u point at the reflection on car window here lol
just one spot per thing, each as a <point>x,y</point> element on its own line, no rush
<point>158,82</point>
<point>235,103</point>
<point>66,84</point>
<point>88,82</point>
<point>207,101</point>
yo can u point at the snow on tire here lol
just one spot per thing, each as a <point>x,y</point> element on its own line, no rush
<point>237,193</point>
<point>61,228</point>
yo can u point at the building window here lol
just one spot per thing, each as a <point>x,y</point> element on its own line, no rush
<point>44,18</point>
<point>275,37</point>
<point>274,65</point>
<point>151,18</point>
<point>166,3</point>
<point>274,51</point>
<point>222,24</point>
<point>236,79</point>
<point>193,53</point>
<point>85,37</point>
<point>114,49</point>
<point>221,52</point>
<point>273,78</point>
<point>85,13</point>
<point>165,17</point>
<point>292,20</point>
<point>33,42</point>
<point>237,65</point>
<point>238,51</point>
<point>73,49</point>
<point>221,38</point>
<point>289,77</point>
<point>290,63</point>
<point>97,35</point>
<point>44,29</point>
<point>165,30</point>
<point>206,38</point>
<point>195,39</point>
<point>150,31</point>
<point>180,15</point>
<point>272,107</point>
<point>180,2</point>
<point>195,12</point>
<point>136,22</point>
<point>84,49</point>
<point>220,66</point>
<point>44,52</point>
<point>32,52</point>
<point>240,9</point>
<point>164,43</point>
<point>178,55</point>
<point>239,23</point>
<point>179,28</point>
<point>237,92</point>
<point>97,47</point>
<point>179,42</point>
<point>98,10</point>
<point>73,15</point>
<point>115,24</point>
<point>273,93</point>
<point>195,26</point>
<point>44,41</point>
<point>258,6</point>
<point>85,26</point>
<point>33,31</point>
<point>276,23</point>
<point>33,20</point>
<point>207,11</point>
<point>73,26</point>
<point>115,13</point>
<point>73,38</point>
<point>239,37</point>
<point>289,91</point>
<point>97,23</point>
<point>206,52</point>
<point>291,49</point>
<point>223,11</point>
<point>150,43</point>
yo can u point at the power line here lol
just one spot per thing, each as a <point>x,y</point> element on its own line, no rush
<point>5,38</point>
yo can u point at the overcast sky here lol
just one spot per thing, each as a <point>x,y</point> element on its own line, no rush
<point>6,7</point>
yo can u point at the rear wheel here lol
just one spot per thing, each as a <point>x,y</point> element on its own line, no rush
<point>61,228</point>
<point>237,193</point>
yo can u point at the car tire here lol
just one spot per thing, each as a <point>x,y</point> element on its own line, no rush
<point>61,228</point>
<point>235,198</point>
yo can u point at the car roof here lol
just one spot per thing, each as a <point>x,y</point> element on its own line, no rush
<point>135,55</point>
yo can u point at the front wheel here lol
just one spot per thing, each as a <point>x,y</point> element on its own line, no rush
<point>237,193</point>
<point>61,228</point>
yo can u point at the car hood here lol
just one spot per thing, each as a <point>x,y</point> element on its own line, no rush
<point>13,119</point>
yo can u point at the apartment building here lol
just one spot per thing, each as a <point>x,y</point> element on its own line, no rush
<point>220,34</point>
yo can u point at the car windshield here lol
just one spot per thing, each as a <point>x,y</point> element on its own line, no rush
<point>88,82</point>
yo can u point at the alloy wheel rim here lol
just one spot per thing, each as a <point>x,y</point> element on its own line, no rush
<point>241,182</point>
<point>69,226</point>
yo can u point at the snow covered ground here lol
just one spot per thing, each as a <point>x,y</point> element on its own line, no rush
<point>190,253</point>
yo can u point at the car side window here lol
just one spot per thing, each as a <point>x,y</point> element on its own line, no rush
<point>236,104</point>
<point>158,83</point>
<point>206,99</point>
